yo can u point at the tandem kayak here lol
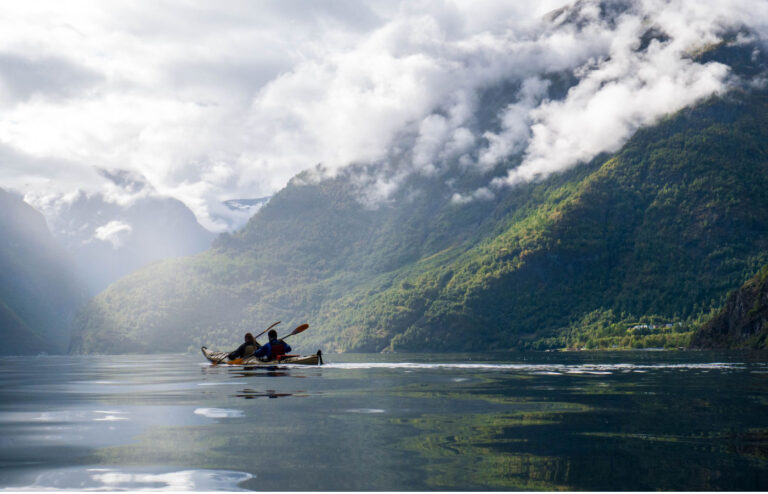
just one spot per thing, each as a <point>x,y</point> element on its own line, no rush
<point>221,358</point>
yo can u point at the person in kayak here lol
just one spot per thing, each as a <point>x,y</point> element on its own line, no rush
<point>246,349</point>
<point>273,349</point>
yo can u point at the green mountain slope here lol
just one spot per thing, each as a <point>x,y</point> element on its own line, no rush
<point>39,292</point>
<point>742,322</point>
<point>658,233</point>
<point>666,227</point>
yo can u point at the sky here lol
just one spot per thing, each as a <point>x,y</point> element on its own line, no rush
<point>209,101</point>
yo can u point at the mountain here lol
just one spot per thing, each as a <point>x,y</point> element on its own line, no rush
<point>665,228</point>
<point>742,322</point>
<point>108,240</point>
<point>629,249</point>
<point>39,291</point>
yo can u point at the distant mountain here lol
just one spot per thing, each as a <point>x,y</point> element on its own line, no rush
<point>742,322</point>
<point>108,240</point>
<point>659,231</point>
<point>39,291</point>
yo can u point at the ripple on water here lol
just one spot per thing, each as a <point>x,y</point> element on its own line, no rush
<point>219,413</point>
<point>551,369</point>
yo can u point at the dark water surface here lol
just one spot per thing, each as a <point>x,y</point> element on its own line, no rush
<point>585,421</point>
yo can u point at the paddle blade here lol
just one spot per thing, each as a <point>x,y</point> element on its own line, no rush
<point>299,329</point>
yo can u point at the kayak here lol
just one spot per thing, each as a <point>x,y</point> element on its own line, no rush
<point>221,358</point>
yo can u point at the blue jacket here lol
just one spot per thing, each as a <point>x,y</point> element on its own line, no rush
<point>272,349</point>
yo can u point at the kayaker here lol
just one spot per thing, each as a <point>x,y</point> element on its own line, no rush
<point>246,349</point>
<point>273,349</point>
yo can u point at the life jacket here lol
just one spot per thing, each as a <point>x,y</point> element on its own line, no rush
<point>248,350</point>
<point>276,348</point>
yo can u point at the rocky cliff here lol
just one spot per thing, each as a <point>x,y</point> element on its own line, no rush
<point>743,320</point>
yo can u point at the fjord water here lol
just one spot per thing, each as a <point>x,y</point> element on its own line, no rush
<point>585,421</point>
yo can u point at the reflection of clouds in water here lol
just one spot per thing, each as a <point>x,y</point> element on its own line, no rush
<point>219,413</point>
<point>72,416</point>
<point>61,416</point>
<point>365,410</point>
<point>101,479</point>
<point>109,416</point>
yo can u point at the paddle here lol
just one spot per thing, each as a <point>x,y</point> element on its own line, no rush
<point>278,322</point>
<point>254,339</point>
<point>299,329</point>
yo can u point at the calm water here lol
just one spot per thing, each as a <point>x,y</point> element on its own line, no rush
<point>617,421</point>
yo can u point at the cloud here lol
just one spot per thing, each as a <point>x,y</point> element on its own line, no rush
<point>23,77</point>
<point>516,122</point>
<point>213,102</point>
<point>481,194</point>
<point>114,232</point>
<point>616,95</point>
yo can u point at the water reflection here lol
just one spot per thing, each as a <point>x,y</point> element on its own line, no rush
<point>261,373</point>
<point>219,413</point>
<point>250,394</point>
<point>149,479</point>
<point>668,421</point>
<point>665,430</point>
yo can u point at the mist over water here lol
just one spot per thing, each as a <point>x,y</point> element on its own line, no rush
<point>590,421</point>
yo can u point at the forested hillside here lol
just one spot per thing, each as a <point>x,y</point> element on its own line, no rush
<point>663,230</point>
<point>39,292</point>
<point>629,249</point>
<point>742,322</point>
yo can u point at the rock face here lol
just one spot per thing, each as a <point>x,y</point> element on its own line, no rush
<point>742,322</point>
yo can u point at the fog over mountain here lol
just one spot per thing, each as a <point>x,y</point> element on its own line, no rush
<point>109,239</point>
<point>40,290</point>
<point>211,103</point>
